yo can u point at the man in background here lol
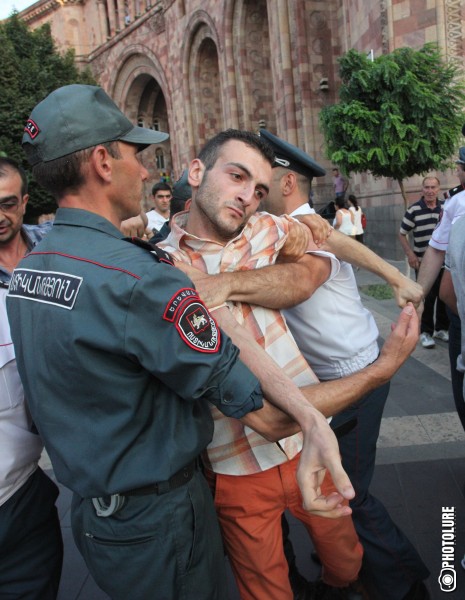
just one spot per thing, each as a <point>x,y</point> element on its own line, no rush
<point>420,219</point>
<point>161,198</point>
<point>340,184</point>
<point>31,548</point>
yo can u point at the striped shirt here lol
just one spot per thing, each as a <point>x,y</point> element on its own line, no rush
<point>421,221</point>
<point>236,449</point>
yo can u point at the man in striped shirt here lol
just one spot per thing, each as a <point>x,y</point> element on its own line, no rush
<point>420,219</point>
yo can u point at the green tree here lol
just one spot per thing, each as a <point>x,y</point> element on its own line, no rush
<point>398,116</point>
<point>31,69</point>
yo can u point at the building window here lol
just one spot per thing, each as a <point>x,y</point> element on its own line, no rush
<point>160,157</point>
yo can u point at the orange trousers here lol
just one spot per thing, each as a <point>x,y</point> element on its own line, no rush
<point>249,509</point>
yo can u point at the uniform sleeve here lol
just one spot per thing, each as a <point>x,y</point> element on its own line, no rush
<point>171,334</point>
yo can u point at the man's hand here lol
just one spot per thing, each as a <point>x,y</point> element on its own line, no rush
<point>213,289</point>
<point>402,340</point>
<point>413,261</point>
<point>320,228</point>
<point>135,226</point>
<point>321,451</point>
<point>406,290</point>
<point>297,242</point>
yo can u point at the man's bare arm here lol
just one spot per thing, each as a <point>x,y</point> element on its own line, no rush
<point>330,397</point>
<point>320,450</point>
<point>276,286</point>
<point>430,266</point>
<point>327,396</point>
<point>359,255</point>
<point>412,258</point>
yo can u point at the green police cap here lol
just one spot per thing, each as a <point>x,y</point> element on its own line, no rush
<point>292,158</point>
<point>76,117</point>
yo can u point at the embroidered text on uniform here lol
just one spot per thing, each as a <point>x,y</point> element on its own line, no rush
<point>50,287</point>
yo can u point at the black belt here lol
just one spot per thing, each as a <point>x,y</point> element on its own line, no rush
<point>180,478</point>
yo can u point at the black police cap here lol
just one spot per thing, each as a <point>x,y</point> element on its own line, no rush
<point>181,189</point>
<point>292,158</point>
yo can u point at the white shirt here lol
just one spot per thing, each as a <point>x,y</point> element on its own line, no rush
<point>454,208</point>
<point>20,448</point>
<point>156,220</point>
<point>333,330</point>
<point>357,219</point>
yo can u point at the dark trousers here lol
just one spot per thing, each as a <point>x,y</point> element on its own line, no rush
<point>455,348</point>
<point>166,547</point>
<point>431,321</point>
<point>390,562</point>
<point>31,548</point>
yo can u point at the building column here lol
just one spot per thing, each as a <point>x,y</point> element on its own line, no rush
<point>121,12</point>
<point>286,120</point>
<point>103,24</point>
<point>111,17</point>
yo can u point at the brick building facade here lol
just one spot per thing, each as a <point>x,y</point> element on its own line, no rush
<point>193,67</point>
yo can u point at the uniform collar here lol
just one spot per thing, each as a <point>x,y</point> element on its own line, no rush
<point>77,217</point>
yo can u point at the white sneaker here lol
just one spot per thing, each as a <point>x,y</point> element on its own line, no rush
<point>442,335</point>
<point>427,341</point>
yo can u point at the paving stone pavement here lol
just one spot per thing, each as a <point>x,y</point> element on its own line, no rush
<point>420,467</point>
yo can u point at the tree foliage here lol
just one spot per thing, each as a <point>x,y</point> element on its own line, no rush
<point>398,116</point>
<point>31,69</point>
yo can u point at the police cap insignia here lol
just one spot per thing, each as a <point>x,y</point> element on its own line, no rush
<point>31,129</point>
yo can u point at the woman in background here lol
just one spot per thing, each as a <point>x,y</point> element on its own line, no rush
<point>357,214</point>
<point>344,219</point>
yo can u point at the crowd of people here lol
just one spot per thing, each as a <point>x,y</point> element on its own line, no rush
<point>198,371</point>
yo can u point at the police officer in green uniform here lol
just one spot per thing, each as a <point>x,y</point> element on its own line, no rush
<point>123,419</point>
<point>120,359</point>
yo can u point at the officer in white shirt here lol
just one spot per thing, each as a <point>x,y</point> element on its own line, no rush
<point>338,337</point>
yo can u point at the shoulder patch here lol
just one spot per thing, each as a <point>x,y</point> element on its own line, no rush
<point>176,301</point>
<point>197,328</point>
<point>195,325</point>
<point>49,287</point>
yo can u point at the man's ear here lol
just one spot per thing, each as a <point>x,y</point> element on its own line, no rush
<point>288,183</point>
<point>100,159</point>
<point>24,201</point>
<point>196,172</point>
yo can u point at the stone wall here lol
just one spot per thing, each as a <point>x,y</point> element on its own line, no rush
<point>193,67</point>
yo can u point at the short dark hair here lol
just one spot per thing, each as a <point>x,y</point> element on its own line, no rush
<point>65,173</point>
<point>8,164</point>
<point>161,186</point>
<point>209,153</point>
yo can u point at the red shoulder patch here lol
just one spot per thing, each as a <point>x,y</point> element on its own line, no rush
<point>197,328</point>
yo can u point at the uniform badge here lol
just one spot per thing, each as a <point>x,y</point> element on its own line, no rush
<point>198,328</point>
